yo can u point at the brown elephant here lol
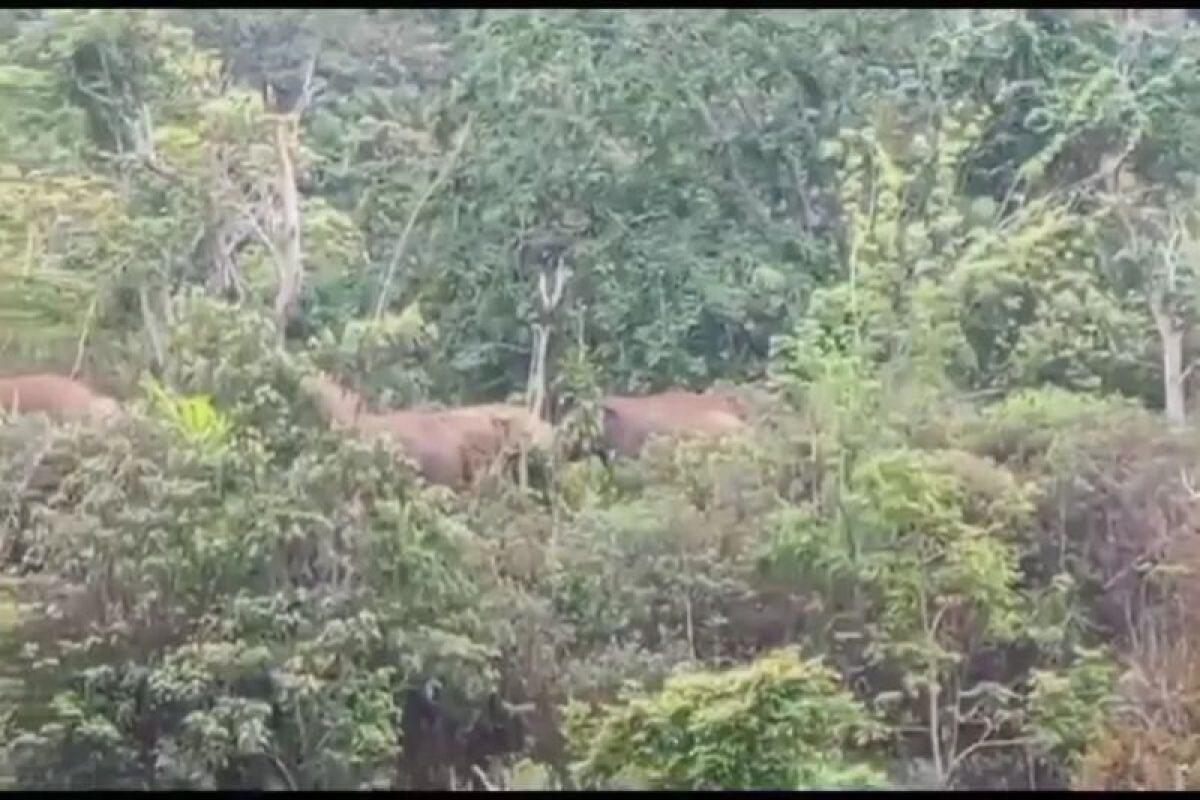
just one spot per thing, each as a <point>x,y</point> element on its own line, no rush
<point>448,448</point>
<point>61,398</point>
<point>629,422</point>
<point>499,431</point>
<point>443,452</point>
<point>521,423</point>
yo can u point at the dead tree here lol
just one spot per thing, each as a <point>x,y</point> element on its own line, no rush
<point>553,277</point>
<point>1171,331</point>
<point>247,204</point>
<point>285,109</point>
<point>1168,287</point>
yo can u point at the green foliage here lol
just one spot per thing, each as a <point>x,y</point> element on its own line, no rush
<point>193,418</point>
<point>652,221</point>
<point>1051,425</point>
<point>914,556</point>
<point>932,583</point>
<point>61,244</point>
<point>385,351</point>
<point>1069,709</point>
<point>288,601</point>
<point>781,722</point>
<point>949,287</point>
<point>885,209</point>
<point>115,64</point>
<point>914,510</point>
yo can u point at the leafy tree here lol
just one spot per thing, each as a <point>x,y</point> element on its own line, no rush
<point>779,723</point>
<point>956,244</point>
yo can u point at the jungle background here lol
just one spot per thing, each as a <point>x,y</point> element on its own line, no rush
<point>949,255</point>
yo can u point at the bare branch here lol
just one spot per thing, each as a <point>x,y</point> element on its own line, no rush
<point>306,90</point>
<point>402,243</point>
<point>1187,484</point>
<point>158,351</point>
<point>749,199</point>
<point>158,167</point>
<point>997,689</point>
<point>291,261</point>
<point>984,744</point>
<point>258,231</point>
<point>1188,370</point>
<point>487,785</point>
<point>1109,167</point>
<point>283,772</point>
<point>141,130</point>
<point>83,337</point>
<point>549,300</point>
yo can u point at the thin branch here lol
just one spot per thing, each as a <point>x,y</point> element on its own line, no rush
<point>958,723</point>
<point>487,785</point>
<point>153,163</point>
<point>985,744</point>
<point>18,489</point>
<point>1187,484</point>
<point>691,634</point>
<point>933,687</point>
<point>152,330</point>
<point>984,686</point>
<point>935,730</point>
<point>735,171</point>
<point>78,81</point>
<point>306,91</point>
<point>264,238</point>
<point>750,200</point>
<point>83,337</point>
<point>799,186</point>
<point>1188,371</point>
<point>283,772</point>
<point>402,243</point>
<point>1108,167</point>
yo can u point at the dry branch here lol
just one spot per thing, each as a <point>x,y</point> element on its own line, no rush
<point>402,242</point>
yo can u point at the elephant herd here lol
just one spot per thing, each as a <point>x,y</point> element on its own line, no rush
<point>454,447</point>
<point>457,447</point>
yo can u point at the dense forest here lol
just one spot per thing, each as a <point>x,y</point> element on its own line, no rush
<point>945,261</point>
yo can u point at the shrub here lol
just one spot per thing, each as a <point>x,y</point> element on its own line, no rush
<point>779,723</point>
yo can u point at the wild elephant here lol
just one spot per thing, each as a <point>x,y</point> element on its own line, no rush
<point>500,431</point>
<point>61,398</point>
<point>629,422</point>
<point>442,452</point>
<point>447,448</point>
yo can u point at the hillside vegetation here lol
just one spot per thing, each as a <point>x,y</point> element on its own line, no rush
<point>947,259</point>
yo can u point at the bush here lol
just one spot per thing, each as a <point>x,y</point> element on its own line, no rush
<point>238,619</point>
<point>778,723</point>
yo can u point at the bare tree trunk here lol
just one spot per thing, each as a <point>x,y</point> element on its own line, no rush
<point>291,267</point>
<point>443,173</point>
<point>1163,285</point>
<point>158,350</point>
<point>536,386</point>
<point>548,301</point>
<point>287,234</point>
<point>1174,376</point>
